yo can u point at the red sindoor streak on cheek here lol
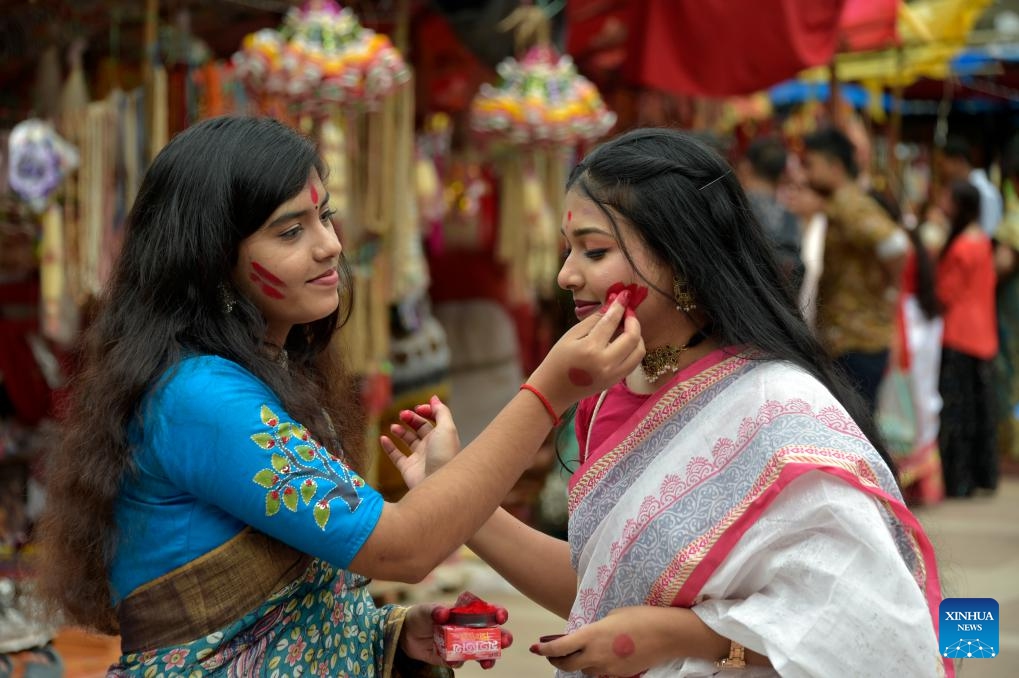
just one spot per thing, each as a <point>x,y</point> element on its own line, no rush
<point>579,377</point>
<point>267,282</point>
<point>314,194</point>
<point>623,646</point>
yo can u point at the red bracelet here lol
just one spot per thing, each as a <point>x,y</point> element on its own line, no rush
<point>544,401</point>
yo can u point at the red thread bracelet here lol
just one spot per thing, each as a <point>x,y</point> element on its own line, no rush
<point>544,401</point>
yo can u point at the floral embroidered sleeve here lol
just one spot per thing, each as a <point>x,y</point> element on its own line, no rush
<point>226,439</point>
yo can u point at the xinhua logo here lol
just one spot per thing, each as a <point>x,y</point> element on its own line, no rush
<point>968,627</point>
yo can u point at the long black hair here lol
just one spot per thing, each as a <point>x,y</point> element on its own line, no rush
<point>687,206</point>
<point>211,187</point>
<point>965,210</point>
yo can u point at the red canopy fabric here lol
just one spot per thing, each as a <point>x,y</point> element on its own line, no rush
<point>868,24</point>
<point>719,47</point>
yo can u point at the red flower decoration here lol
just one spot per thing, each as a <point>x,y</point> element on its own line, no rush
<point>638,293</point>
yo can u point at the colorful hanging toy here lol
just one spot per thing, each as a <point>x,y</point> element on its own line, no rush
<point>321,57</point>
<point>541,98</point>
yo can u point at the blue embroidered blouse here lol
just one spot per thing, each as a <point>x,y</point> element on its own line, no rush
<point>215,452</point>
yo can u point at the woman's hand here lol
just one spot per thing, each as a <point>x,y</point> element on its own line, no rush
<point>431,444</point>
<point>628,641</point>
<point>417,642</point>
<point>593,355</point>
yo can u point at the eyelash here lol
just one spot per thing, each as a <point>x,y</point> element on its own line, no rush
<point>296,230</point>
<point>594,255</point>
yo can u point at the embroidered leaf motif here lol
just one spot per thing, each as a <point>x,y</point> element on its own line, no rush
<point>269,417</point>
<point>279,462</point>
<point>266,478</point>
<point>284,431</point>
<point>322,514</point>
<point>272,503</point>
<point>308,489</point>
<point>290,498</point>
<point>264,440</point>
<point>306,452</point>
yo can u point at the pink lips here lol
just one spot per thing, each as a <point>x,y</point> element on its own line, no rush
<point>328,279</point>
<point>585,308</point>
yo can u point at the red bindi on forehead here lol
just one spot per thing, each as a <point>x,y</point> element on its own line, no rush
<point>314,194</point>
<point>569,216</point>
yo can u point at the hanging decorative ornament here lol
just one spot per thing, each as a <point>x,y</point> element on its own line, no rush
<point>538,112</point>
<point>541,99</point>
<point>39,161</point>
<point>320,57</point>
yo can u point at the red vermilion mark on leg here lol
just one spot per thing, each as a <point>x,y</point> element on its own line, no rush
<point>314,194</point>
<point>579,377</point>
<point>623,646</point>
<point>270,285</point>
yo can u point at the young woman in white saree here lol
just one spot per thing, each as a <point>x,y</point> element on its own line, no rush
<point>732,508</point>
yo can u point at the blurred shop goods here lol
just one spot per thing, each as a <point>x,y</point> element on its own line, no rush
<point>30,375</point>
<point>538,115</point>
<point>319,58</point>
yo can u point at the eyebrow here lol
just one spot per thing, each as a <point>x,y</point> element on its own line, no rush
<point>296,214</point>
<point>581,232</point>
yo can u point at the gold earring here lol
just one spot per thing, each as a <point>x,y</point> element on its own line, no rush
<point>685,300</point>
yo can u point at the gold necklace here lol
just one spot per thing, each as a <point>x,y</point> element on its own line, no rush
<point>658,361</point>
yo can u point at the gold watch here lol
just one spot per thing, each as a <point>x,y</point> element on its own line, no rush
<point>735,660</point>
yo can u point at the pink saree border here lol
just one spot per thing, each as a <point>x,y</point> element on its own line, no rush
<point>682,389</point>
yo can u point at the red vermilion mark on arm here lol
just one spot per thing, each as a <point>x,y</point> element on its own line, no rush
<point>267,282</point>
<point>579,377</point>
<point>623,646</point>
<point>314,194</point>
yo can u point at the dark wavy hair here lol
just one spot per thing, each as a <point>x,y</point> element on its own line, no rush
<point>966,201</point>
<point>688,208</point>
<point>211,187</point>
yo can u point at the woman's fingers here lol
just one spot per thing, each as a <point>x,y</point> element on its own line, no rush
<point>608,322</point>
<point>392,451</point>
<point>416,422</point>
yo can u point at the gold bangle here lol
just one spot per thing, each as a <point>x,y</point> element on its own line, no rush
<point>735,660</point>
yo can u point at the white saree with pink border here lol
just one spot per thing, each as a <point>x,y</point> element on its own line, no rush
<point>744,491</point>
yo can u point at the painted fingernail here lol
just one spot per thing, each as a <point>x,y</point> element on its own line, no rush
<point>533,649</point>
<point>624,297</point>
<point>630,313</point>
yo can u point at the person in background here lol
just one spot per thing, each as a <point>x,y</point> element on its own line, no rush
<point>760,171</point>
<point>808,207</point>
<point>966,286</point>
<point>864,254</point>
<point>909,406</point>
<point>957,165</point>
<point>1006,257</point>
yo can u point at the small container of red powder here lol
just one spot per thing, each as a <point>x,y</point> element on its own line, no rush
<point>472,632</point>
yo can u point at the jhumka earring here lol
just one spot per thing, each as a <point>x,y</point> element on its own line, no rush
<point>227,298</point>
<point>685,300</point>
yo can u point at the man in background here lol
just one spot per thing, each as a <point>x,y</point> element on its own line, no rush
<point>863,258</point>
<point>760,171</point>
